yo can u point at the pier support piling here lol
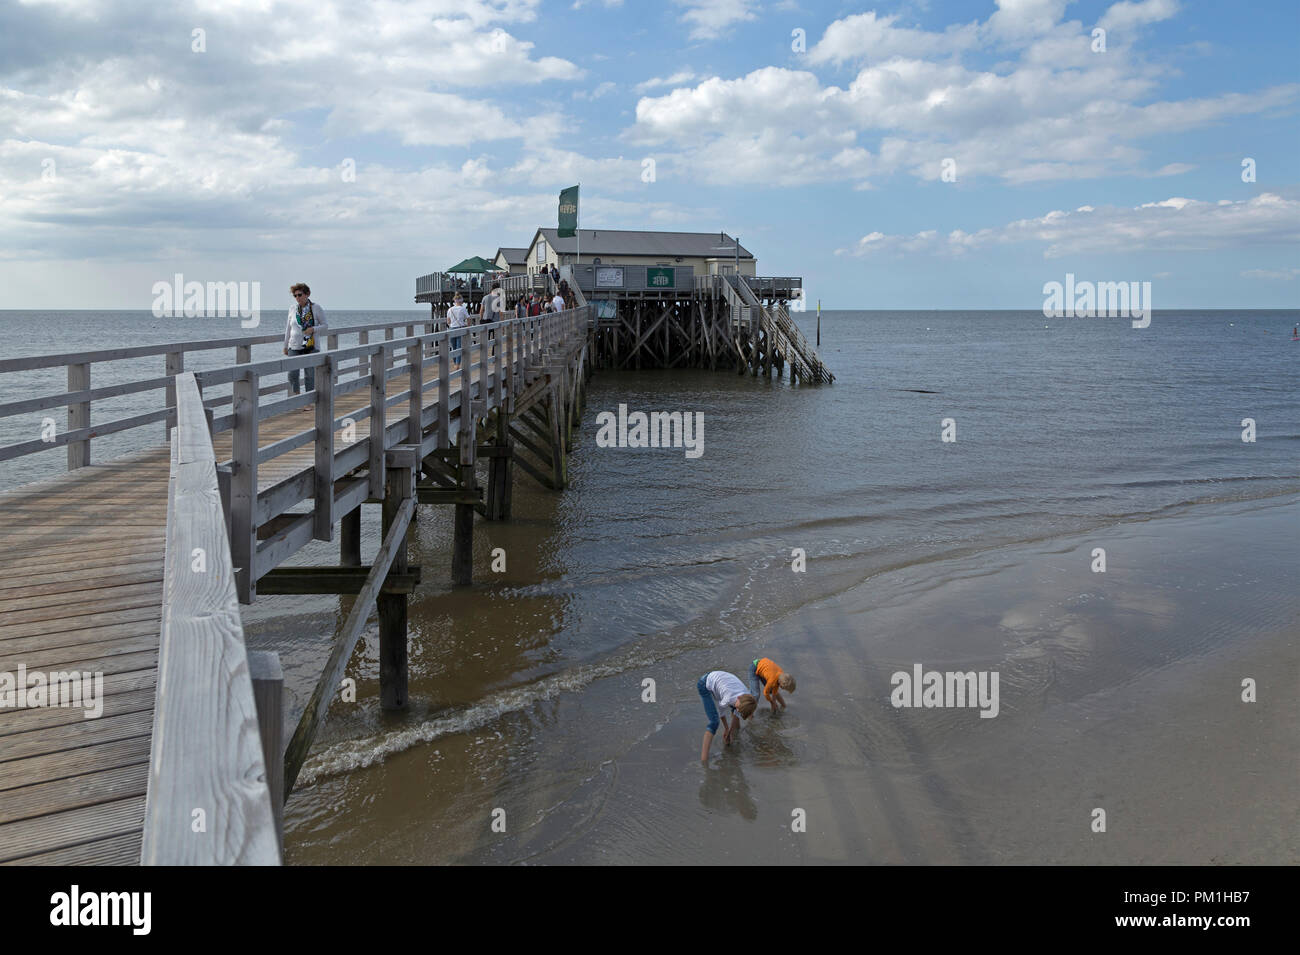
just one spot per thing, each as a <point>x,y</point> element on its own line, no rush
<point>350,538</point>
<point>399,487</point>
<point>462,546</point>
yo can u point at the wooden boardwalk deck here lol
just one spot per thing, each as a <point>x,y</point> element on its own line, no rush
<point>81,589</point>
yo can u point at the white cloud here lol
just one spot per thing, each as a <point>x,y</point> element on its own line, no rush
<point>676,79</point>
<point>1127,16</point>
<point>1284,275</point>
<point>161,152</point>
<point>1176,224</point>
<point>709,18</point>
<point>1059,112</point>
<point>597,92</point>
<point>865,36</point>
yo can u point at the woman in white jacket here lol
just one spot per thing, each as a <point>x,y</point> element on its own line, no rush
<point>305,326</point>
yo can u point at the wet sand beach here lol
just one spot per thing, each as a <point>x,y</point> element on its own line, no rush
<point>1120,691</point>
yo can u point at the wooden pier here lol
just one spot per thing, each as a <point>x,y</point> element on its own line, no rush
<point>132,571</point>
<point>729,322</point>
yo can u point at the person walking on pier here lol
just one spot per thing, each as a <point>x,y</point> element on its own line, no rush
<point>305,324</point>
<point>557,303</point>
<point>534,305</point>
<point>457,317</point>
<point>718,688</point>
<point>555,275</point>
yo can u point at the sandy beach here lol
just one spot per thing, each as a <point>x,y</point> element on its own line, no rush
<point>1120,691</point>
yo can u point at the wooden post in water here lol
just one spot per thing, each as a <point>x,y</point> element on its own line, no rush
<point>462,546</point>
<point>399,487</point>
<point>350,538</point>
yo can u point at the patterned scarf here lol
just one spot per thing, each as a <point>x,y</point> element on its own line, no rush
<point>308,327</point>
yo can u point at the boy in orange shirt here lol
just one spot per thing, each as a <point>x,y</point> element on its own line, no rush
<point>772,679</point>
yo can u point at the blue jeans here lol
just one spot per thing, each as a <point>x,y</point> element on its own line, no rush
<point>710,710</point>
<point>756,683</point>
<point>455,346</point>
<point>293,373</point>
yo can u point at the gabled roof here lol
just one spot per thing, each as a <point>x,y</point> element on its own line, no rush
<point>709,245</point>
<point>512,255</point>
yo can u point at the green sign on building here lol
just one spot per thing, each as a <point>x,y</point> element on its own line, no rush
<point>659,278</point>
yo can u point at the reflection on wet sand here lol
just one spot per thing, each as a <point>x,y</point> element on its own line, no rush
<point>724,788</point>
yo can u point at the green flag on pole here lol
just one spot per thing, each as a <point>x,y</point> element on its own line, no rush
<point>568,213</point>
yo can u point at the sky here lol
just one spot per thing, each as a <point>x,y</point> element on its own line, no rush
<point>902,155</point>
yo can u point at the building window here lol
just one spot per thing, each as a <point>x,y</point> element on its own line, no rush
<point>541,250</point>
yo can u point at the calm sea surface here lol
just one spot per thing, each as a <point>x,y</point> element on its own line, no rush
<point>1062,426</point>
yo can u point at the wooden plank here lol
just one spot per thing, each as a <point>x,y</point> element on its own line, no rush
<point>41,717</point>
<point>43,834</point>
<point>117,850</point>
<point>69,763</point>
<point>99,593</point>
<point>206,752</point>
<point>82,576</point>
<point>17,618</point>
<point>67,657</point>
<point>91,789</point>
<point>83,622</point>
<point>71,736</point>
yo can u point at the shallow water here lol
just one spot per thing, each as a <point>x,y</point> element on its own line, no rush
<point>526,688</point>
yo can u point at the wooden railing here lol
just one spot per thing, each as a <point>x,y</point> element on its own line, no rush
<point>80,395</point>
<point>208,800</point>
<point>781,327</point>
<point>492,358</point>
<point>516,285</point>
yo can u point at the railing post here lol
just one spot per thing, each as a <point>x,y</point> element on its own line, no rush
<point>243,486</point>
<point>363,363</point>
<point>498,364</point>
<point>323,509</point>
<point>224,475</point>
<point>175,365</point>
<point>510,354</point>
<point>415,423</point>
<point>444,391</point>
<point>268,695</point>
<point>378,391</point>
<point>79,416</point>
<point>243,354</point>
